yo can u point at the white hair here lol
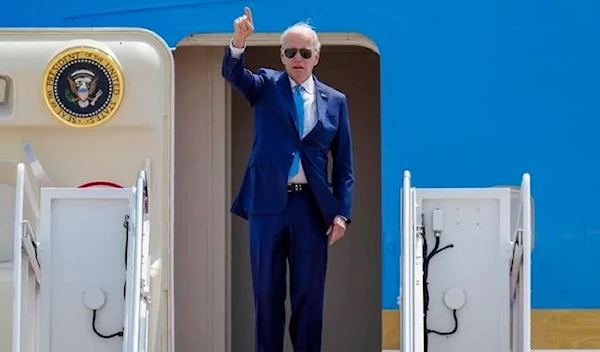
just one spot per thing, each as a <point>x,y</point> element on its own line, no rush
<point>303,28</point>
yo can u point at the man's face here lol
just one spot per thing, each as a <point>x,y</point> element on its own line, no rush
<point>299,56</point>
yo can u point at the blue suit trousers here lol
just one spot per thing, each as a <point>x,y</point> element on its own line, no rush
<point>298,236</point>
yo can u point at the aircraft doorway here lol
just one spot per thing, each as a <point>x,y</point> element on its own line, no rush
<point>352,303</point>
<point>213,136</point>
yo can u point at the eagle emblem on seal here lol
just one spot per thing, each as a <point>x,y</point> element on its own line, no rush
<point>83,86</point>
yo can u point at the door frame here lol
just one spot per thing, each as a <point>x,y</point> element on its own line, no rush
<point>220,252</point>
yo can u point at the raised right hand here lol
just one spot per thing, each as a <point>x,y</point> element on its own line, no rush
<point>243,27</point>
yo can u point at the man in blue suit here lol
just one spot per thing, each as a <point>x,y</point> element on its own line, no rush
<point>294,213</point>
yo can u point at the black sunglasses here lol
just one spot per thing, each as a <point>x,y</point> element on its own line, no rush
<point>291,52</point>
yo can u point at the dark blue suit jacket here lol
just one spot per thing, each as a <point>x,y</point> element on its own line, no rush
<point>263,189</point>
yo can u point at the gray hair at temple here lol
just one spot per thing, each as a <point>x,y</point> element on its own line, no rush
<point>303,28</point>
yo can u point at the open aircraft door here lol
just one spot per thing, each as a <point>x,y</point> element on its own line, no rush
<point>82,112</point>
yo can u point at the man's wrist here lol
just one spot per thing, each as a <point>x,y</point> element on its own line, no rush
<point>238,43</point>
<point>342,220</point>
<point>236,53</point>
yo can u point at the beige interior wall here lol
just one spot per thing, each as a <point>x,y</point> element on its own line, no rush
<point>203,164</point>
<point>201,201</point>
<point>353,292</point>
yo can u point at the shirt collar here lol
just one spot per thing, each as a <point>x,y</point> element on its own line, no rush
<point>308,85</point>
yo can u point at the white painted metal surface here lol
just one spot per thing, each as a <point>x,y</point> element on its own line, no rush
<point>85,233</point>
<point>466,292</point>
<point>412,272</point>
<point>138,136</point>
<point>83,248</point>
<point>407,267</point>
<point>21,271</point>
<point>135,337</point>
<point>520,278</point>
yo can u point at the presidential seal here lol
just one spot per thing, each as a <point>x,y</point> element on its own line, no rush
<point>83,86</point>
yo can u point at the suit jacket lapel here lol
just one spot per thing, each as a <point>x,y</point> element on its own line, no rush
<point>285,90</point>
<point>321,99</point>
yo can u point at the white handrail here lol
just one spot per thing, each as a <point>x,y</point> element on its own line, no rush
<point>520,270</point>
<point>134,338</point>
<point>407,299</point>
<point>527,248</point>
<point>18,254</point>
<point>26,208</point>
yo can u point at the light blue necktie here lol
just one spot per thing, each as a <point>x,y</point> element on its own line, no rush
<point>299,102</point>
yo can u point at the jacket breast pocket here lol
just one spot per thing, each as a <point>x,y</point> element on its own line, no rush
<point>333,119</point>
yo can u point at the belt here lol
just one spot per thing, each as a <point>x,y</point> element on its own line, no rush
<point>297,187</point>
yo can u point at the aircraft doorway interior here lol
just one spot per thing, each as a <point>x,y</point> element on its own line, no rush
<point>213,137</point>
<point>352,321</point>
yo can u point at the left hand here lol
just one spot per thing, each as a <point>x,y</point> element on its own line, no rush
<point>336,230</point>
